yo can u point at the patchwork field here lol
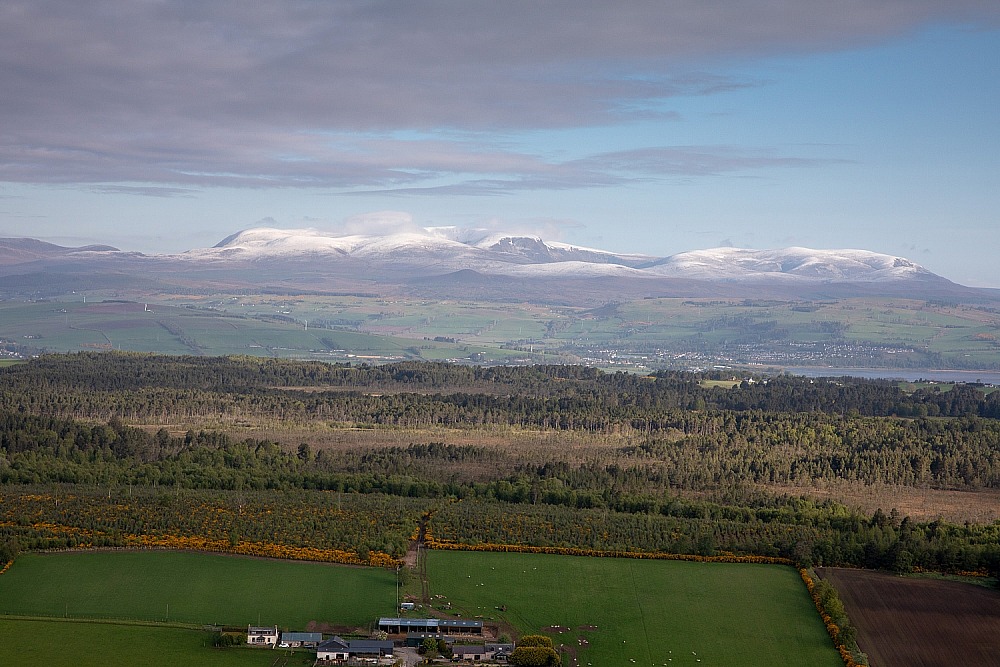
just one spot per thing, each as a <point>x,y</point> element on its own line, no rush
<point>920,622</point>
<point>860,332</point>
<point>62,644</point>
<point>60,326</point>
<point>625,611</point>
<point>195,588</point>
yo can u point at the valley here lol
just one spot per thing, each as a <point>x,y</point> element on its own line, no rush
<point>644,335</point>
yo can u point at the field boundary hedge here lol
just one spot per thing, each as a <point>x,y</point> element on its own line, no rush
<point>832,628</point>
<point>198,543</point>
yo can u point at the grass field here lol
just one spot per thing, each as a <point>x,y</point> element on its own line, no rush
<point>64,644</point>
<point>195,588</point>
<point>61,326</point>
<point>646,613</point>
<point>342,328</point>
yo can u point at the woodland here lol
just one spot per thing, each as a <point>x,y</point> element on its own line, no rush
<point>282,457</point>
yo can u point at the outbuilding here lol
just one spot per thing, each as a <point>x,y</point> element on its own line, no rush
<point>336,650</point>
<point>301,639</point>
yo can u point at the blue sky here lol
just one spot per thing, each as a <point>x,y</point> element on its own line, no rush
<point>653,127</point>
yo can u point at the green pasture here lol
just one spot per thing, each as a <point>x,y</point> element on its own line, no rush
<point>30,643</point>
<point>195,588</point>
<point>951,331</point>
<point>719,384</point>
<point>61,326</point>
<point>380,329</point>
<point>646,612</point>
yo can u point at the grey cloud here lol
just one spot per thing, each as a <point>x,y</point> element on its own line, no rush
<point>696,160</point>
<point>145,191</point>
<point>610,169</point>
<point>196,94</point>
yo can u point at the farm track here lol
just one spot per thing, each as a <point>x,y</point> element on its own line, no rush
<point>909,622</point>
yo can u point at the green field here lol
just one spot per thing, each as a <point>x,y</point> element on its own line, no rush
<point>195,588</point>
<point>846,332</point>
<point>646,612</point>
<point>65,644</point>
<point>194,328</point>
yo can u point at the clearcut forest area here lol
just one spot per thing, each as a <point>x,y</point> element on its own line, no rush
<point>293,461</point>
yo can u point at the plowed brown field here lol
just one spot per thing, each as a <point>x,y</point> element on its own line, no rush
<point>906,622</point>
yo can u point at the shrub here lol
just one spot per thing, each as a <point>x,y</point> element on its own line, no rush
<point>534,656</point>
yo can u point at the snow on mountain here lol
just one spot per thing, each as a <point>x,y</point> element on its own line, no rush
<point>569,269</point>
<point>530,248</point>
<point>265,242</point>
<point>788,263</point>
<point>441,243</point>
<point>441,249</point>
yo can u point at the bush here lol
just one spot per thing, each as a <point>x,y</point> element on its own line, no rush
<point>535,640</point>
<point>224,639</point>
<point>534,656</point>
<point>9,549</point>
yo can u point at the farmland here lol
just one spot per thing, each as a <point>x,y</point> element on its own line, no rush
<point>908,621</point>
<point>181,329</point>
<point>49,643</point>
<point>642,334</point>
<point>341,463</point>
<point>602,610</point>
<point>625,611</point>
<point>194,588</point>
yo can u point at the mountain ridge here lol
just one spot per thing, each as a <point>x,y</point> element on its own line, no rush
<point>424,259</point>
<point>500,253</point>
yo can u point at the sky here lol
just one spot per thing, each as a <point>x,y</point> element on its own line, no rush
<point>648,126</point>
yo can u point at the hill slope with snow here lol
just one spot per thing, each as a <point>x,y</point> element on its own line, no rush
<point>449,262</point>
<point>789,263</point>
<point>490,252</point>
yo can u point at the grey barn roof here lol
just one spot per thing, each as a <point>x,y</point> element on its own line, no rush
<point>301,636</point>
<point>370,646</point>
<point>468,650</point>
<point>429,623</point>
<point>356,646</point>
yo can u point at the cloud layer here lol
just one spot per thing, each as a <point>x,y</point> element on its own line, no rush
<point>159,97</point>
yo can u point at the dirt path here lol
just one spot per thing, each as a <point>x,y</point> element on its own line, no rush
<point>410,559</point>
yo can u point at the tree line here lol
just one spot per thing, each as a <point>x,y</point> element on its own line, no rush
<point>686,479</point>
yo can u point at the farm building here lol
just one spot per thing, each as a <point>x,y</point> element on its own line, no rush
<point>436,627</point>
<point>470,653</point>
<point>498,652</point>
<point>489,652</point>
<point>337,650</point>
<point>301,639</point>
<point>262,636</point>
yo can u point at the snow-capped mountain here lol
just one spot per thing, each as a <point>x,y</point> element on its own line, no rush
<point>490,252</point>
<point>459,263</point>
<point>266,242</point>
<point>788,263</point>
<point>464,248</point>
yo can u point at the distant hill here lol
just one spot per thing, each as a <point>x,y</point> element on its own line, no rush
<point>489,265</point>
<point>21,250</point>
